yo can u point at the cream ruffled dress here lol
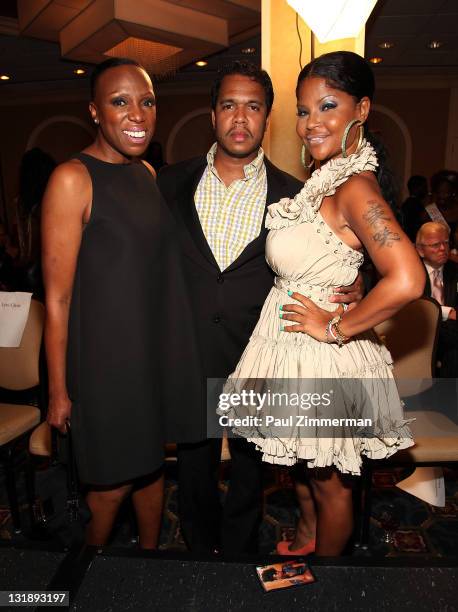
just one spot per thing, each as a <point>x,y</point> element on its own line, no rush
<point>308,257</point>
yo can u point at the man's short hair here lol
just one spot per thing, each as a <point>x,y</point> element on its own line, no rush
<point>429,226</point>
<point>244,69</point>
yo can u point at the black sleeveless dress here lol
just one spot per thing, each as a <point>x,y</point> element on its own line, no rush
<point>127,271</point>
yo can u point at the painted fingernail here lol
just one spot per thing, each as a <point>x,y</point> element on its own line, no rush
<point>290,293</point>
<point>282,327</point>
<point>281,315</point>
<point>280,307</point>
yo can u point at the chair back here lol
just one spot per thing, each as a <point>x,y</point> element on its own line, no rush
<point>411,337</point>
<point>19,367</point>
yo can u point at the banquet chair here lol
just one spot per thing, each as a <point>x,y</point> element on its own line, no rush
<point>19,372</point>
<point>40,442</point>
<point>411,337</point>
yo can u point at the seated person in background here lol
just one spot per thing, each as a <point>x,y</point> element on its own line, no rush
<point>443,204</point>
<point>441,283</point>
<point>413,209</point>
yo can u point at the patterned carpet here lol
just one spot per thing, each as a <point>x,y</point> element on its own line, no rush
<point>416,527</point>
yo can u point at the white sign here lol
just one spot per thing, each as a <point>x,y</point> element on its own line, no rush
<point>14,311</point>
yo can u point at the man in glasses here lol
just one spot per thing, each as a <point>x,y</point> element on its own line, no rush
<point>432,244</point>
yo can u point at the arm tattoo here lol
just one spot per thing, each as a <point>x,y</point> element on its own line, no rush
<point>376,217</point>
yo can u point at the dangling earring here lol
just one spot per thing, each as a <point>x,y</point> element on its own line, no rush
<point>345,136</point>
<point>96,121</point>
<point>307,166</point>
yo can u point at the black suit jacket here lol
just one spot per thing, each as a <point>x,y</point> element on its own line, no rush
<point>226,305</point>
<point>450,276</point>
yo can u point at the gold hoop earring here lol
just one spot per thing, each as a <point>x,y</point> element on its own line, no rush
<point>306,166</point>
<point>345,136</point>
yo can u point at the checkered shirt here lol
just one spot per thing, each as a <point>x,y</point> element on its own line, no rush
<point>231,217</point>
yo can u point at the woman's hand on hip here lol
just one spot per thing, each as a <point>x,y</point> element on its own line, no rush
<point>308,317</point>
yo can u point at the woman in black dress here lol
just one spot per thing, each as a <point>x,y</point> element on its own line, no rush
<point>106,267</point>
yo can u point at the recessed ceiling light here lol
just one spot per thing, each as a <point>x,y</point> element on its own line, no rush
<point>201,63</point>
<point>248,50</point>
<point>79,71</point>
<point>386,45</point>
<point>376,60</point>
<point>4,77</point>
<point>435,44</point>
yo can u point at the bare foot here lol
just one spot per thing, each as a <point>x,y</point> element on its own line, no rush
<point>304,534</point>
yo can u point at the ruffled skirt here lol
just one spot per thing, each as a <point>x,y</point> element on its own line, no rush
<point>357,376</point>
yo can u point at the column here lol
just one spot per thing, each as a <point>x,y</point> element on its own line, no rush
<point>280,57</point>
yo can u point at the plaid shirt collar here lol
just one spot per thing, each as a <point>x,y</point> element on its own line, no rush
<point>251,170</point>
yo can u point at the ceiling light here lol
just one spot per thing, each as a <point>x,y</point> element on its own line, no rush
<point>201,63</point>
<point>79,71</point>
<point>248,50</point>
<point>4,77</point>
<point>376,60</point>
<point>157,58</point>
<point>386,45</point>
<point>345,19</point>
<point>435,44</point>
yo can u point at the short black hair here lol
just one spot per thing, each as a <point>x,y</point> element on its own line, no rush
<point>112,62</point>
<point>244,69</point>
<point>417,183</point>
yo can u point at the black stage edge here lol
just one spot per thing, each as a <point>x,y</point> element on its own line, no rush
<point>124,579</point>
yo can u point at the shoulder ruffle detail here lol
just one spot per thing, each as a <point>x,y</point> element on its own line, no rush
<point>323,182</point>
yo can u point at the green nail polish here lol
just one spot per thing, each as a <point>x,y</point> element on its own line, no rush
<point>281,315</point>
<point>290,293</point>
<point>280,307</point>
<point>282,327</point>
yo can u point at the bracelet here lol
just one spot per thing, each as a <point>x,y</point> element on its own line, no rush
<point>326,333</point>
<point>336,336</point>
<point>333,334</point>
<point>329,330</point>
<point>341,337</point>
<point>344,309</point>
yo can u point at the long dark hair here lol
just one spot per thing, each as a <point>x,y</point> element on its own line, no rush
<point>352,74</point>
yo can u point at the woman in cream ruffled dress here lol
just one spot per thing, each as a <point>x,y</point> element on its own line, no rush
<point>315,243</point>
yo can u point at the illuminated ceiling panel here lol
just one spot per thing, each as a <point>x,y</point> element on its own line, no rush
<point>88,31</point>
<point>157,58</point>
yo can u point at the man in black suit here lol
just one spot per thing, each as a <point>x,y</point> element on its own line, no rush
<point>220,202</point>
<point>432,244</point>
